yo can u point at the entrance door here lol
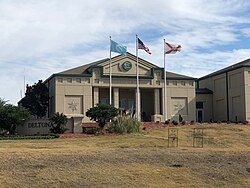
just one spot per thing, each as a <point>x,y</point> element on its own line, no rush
<point>200,115</point>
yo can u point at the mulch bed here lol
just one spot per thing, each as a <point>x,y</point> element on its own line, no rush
<point>145,125</point>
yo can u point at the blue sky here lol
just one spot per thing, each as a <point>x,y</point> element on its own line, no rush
<point>39,38</point>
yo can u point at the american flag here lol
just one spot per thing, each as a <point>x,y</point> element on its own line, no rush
<point>143,46</point>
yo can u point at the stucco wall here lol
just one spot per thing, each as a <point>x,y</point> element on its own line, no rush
<point>247,93</point>
<point>236,95</point>
<point>228,105</point>
<point>181,100</point>
<point>207,100</point>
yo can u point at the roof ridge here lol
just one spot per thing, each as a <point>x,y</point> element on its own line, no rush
<point>228,68</point>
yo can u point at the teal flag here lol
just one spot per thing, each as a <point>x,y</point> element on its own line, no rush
<point>115,47</point>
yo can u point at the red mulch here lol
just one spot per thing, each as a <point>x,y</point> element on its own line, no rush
<point>145,125</point>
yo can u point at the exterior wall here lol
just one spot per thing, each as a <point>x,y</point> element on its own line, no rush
<point>229,93</point>
<point>207,100</point>
<point>219,104</point>
<point>181,100</point>
<point>73,96</point>
<point>219,97</point>
<point>236,95</point>
<point>247,93</point>
<point>206,83</point>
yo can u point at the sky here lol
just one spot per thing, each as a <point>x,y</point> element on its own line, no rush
<point>40,38</point>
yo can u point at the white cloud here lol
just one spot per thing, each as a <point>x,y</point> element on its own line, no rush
<point>49,36</point>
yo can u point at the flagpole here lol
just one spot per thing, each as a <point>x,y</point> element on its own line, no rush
<point>110,74</point>
<point>165,82</point>
<point>137,83</point>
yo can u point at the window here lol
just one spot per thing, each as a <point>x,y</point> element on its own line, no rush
<point>87,80</point>
<point>183,83</point>
<point>78,80</point>
<point>60,80</point>
<point>123,103</point>
<point>199,105</point>
<point>69,80</point>
<point>167,83</point>
<point>191,83</point>
<point>175,83</point>
<point>104,101</point>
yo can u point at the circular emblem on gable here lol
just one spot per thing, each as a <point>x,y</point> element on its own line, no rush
<point>127,65</point>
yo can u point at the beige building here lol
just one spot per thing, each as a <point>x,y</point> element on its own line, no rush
<point>225,94</point>
<point>74,91</point>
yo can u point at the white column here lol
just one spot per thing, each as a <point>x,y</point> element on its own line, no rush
<point>116,97</point>
<point>138,104</point>
<point>156,101</point>
<point>96,95</point>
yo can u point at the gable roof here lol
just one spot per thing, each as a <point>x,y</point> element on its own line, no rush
<point>82,69</point>
<point>245,63</point>
<point>86,69</point>
<point>172,75</point>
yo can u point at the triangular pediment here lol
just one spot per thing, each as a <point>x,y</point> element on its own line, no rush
<point>122,66</point>
<point>125,65</point>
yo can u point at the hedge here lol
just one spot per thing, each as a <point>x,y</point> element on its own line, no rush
<point>28,137</point>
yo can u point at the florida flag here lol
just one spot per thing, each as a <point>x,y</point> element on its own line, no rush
<point>143,46</point>
<point>171,48</point>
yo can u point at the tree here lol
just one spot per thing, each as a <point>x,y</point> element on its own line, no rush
<point>11,116</point>
<point>36,99</point>
<point>102,113</point>
<point>59,122</point>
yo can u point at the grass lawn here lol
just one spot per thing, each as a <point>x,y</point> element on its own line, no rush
<point>135,160</point>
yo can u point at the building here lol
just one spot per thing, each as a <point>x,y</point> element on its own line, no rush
<point>225,94</point>
<point>74,91</point>
<point>221,96</point>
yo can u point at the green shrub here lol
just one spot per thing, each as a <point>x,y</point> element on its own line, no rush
<point>167,122</point>
<point>59,121</point>
<point>183,122</point>
<point>26,137</point>
<point>92,130</point>
<point>174,122</point>
<point>192,122</point>
<point>245,122</point>
<point>124,125</point>
<point>102,113</point>
<point>180,118</point>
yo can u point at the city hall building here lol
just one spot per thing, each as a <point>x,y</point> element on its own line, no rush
<point>74,91</point>
<point>220,96</point>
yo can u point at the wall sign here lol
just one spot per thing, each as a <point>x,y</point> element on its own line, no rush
<point>126,66</point>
